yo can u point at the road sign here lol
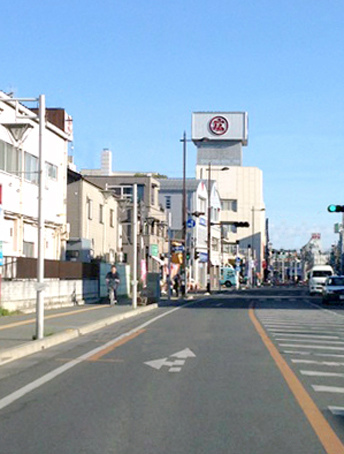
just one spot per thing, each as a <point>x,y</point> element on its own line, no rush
<point>191,223</point>
<point>178,248</point>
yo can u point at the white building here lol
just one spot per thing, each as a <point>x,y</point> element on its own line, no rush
<point>219,138</point>
<point>19,181</point>
<point>170,197</point>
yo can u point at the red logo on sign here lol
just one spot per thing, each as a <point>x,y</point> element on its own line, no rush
<point>218,125</point>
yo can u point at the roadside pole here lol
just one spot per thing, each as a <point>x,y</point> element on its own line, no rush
<point>169,257</point>
<point>134,282</point>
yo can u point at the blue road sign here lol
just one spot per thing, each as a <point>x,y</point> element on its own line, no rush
<point>191,223</point>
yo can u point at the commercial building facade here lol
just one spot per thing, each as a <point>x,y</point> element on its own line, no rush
<point>219,138</point>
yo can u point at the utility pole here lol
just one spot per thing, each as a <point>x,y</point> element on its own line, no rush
<point>134,221</point>
<point>184,286</point>
<point>209,232</point>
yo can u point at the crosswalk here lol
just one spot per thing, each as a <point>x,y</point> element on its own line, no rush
<point>311,339</point>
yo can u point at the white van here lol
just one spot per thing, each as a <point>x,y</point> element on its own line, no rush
<point>317,278</point>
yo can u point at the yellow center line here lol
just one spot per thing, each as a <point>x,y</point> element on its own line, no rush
<point>107,350</point>
<point>323,430</point>
<point>62,314</point>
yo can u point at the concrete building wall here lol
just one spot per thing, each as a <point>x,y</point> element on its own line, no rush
<point>84,201</point>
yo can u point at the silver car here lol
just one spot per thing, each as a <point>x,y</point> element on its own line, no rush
<point>333,289</point>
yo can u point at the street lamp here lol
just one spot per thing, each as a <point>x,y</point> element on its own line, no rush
<point>253,241</point>
<point>209,228</point>
<point>16,132</point>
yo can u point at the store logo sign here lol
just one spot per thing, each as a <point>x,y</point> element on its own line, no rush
<point>218,125</point>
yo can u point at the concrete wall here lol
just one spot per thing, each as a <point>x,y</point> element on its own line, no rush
<point>21,294</point>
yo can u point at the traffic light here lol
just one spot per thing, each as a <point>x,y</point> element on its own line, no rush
<point>241,224</point>
<point>335,208</point>
<point>196,255</point>
<point>187,254</point>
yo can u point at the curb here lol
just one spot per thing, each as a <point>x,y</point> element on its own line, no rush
<point>30,348</point>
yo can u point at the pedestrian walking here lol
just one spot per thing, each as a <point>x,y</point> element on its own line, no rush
<point>112,280</point>
<point>176,284</point>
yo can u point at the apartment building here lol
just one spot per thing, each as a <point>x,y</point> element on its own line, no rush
<point>93,216</point>
<point>19,179</point>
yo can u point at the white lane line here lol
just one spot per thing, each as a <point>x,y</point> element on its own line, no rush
<point>322,347</point>
<point>175,369</point>
<point>317,373</point>
<point>328,389</point>
<point>5,401</point>
<point>337,411</point>
<point>311,341</point>
<point>293,352</point>
<point>318,336</point>
<point>319,363</point>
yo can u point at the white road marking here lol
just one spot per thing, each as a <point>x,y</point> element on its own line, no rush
<point>182,355</point>
<point>315,373</point>
<point>337,411</point>
<point>312,341</point>
<point>320,363</point>
<point>328,389</point>
<point>318,336</point>
<point>322,347</point>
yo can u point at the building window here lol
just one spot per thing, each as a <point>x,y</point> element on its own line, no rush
<point>229,205</point>
<point>31,168</point>
<point>101,213</point>
<point>112,218</point>
<point>9,158</point>
<point>140,192</point>
<point>129,233</point>
<point>202,205</point>
<point>51,171</point>
<point>215,244</point>
<point>152,195</point>
<point>89,208</point>
<point>28,249</point>
<point>168,202</point>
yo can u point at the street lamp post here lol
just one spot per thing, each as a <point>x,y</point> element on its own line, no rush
<point>20,128</point>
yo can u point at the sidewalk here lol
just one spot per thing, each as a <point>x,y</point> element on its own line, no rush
<point>60,325</point>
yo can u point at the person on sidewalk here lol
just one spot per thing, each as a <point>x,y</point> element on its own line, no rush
<point>112,280</point>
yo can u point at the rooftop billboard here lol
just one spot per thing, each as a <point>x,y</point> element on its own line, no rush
<point>220,126</point>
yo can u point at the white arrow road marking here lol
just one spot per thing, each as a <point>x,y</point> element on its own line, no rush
<point>157,363</point>
<point>174,365</point>
<point>187,353</point>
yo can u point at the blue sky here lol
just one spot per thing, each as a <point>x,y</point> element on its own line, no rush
<point>131,72</point>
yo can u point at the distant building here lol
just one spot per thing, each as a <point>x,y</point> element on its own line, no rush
<point>170,197</point>
<point>152,226</point>
<point>219,138</point>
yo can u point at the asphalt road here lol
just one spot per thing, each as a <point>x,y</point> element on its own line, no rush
<point>220,375</point>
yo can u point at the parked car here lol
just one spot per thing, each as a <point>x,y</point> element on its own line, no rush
<point>333,289</point>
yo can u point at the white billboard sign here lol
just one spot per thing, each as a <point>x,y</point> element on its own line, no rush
<point>224,126</point>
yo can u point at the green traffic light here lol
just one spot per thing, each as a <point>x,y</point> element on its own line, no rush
<point>336,208</point>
